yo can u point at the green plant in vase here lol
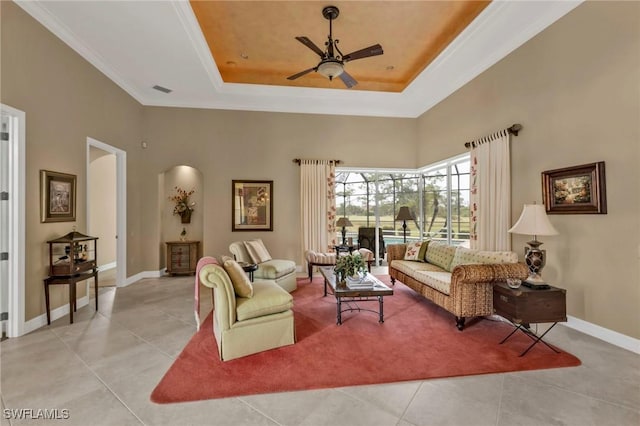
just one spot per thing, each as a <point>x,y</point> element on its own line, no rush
<point>351,265</point>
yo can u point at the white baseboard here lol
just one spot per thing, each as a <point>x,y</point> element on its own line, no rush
<point>107,266</point>
<point>141,275</point>
<point>609,336</point>
<point>41,320</point>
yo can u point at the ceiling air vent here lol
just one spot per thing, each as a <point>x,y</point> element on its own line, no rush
<point>162,89</point>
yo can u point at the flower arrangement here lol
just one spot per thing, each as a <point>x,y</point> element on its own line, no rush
<point>181,198</point>
<point>349,265</point>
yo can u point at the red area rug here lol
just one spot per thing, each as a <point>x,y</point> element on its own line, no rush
<point>418,340</point>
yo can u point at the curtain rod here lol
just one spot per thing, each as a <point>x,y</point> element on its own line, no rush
<point>513,130</point>
<point>298,161</point>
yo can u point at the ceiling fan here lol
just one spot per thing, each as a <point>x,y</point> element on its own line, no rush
<point>331,64</point>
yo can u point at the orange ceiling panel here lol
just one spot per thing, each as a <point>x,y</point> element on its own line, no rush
<point>254,41</point>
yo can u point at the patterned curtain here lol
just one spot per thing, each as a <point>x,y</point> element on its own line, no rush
<point>318,205</point>
<point>491,193</point>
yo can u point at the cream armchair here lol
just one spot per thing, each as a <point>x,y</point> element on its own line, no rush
<point>283,272</point>
<point>244,326</point>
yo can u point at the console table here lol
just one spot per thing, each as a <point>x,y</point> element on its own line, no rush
<point>72,258</point>
<point>524,306</point>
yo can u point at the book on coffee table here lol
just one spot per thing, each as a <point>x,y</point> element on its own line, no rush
<point>365,283</point>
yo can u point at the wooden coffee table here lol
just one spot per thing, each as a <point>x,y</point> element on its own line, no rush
<point>373,290</point>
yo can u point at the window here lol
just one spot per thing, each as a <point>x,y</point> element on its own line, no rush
<point>437,195</point>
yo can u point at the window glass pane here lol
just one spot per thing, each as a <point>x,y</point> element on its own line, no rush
<point>445,202</point>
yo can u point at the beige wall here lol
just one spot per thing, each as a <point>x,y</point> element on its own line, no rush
<point>227,145</point>
<point>65,100</point>
<point>576,90</point>
<point>102,203</point>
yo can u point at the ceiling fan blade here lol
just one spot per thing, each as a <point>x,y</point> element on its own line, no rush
<point>374,50</point>
<point>301,73</point>
<point>347,79</point>
<point>311,45</point>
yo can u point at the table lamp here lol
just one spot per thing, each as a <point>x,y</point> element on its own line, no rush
<point>344,222</point>
<point>534,221</point>
<point>404,215</point>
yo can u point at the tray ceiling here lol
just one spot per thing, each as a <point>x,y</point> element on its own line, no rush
<point>237,54</point>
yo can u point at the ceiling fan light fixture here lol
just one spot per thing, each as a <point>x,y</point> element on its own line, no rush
<point>330,69</point>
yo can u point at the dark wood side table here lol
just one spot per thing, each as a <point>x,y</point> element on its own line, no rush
<point>249,268</point>
<point>182,257</point>
<point>524,306</point>
<point>344,249</point>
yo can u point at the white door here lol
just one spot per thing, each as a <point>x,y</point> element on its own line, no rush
<point>4,221</point>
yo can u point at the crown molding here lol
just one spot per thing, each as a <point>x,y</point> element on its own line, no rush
<point>501,28</point>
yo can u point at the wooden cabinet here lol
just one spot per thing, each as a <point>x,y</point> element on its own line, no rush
<point>526,306</point>
<point>72,258</point>
<point>182,257</point>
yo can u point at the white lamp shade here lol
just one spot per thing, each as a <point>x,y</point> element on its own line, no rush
<point>533,221</point>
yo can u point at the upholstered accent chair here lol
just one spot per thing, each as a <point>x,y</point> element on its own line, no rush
<point>283,272</point>
<point>247,325</point>
<point>329,259</point>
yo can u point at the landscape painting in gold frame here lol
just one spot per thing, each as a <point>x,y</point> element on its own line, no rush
<point>252,205</point>
<point>575,190</point>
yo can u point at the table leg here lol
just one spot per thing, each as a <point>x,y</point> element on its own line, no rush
<point>72,298</point>
<point>339,308</point>
<point>381,303</point>
<point>538,339</point>
<point>46,299</point>
<point>325,287</point>
<point>510,334</point>
<point>96,290</point>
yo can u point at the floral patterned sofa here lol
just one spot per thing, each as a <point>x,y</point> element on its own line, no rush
<point>457,279</point>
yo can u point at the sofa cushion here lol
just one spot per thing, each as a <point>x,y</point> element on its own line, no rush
<point>257,251</point>
<point>440,254</point>
<point>410,267</point>
<point>465,256</point>
<point>412,251</point>
<point>440,281</point>
<point>268,298</point>
<point>422,254</point>
<point>275,268</point>
<point>241,284</point>
<point>321,258</point>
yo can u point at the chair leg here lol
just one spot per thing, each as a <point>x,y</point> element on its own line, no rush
<point>310,270</point>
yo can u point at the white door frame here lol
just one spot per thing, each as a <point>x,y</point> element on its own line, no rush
<point>17,190</point>
<point>121,205</point>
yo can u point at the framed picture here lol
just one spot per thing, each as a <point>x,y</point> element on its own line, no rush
<point>252,205</point>
<point>57,197</point>
<point>578,189</point>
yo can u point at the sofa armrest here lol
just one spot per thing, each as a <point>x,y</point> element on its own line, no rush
<point>395,252</point>
<point>488,273</point>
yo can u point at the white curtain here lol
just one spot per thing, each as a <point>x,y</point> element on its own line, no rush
<point>491,193</point>
<point>318,205</point>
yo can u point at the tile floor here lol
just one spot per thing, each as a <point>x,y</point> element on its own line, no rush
<point>103,368</point>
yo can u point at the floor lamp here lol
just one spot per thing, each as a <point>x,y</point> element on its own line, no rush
<point>404,215</point>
